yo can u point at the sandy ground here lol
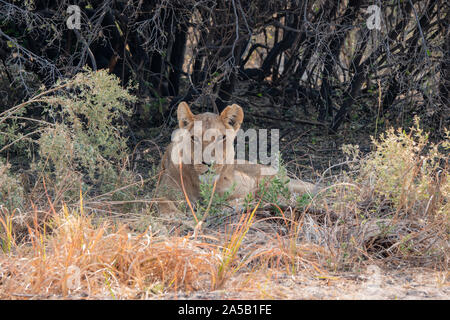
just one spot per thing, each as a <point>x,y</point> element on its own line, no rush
<point>373,284</point>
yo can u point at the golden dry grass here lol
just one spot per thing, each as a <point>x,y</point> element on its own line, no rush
<point>71,257</point>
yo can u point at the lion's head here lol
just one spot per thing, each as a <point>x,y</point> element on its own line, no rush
<point>206,140</point>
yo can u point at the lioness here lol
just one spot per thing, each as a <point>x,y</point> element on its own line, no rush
<point>239,177</point>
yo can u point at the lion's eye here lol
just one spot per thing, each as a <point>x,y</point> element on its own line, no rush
<point>195,139</point>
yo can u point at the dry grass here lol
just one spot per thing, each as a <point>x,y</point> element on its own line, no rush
<point>69,256</point>
<point>390,208</point>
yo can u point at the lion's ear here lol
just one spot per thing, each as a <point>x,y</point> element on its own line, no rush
<point>184,114</point>
<point>232,117</point>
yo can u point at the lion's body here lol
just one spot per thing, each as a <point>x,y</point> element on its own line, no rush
<point>179,180</point>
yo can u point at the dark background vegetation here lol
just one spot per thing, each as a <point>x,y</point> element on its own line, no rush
<point>293,63</point>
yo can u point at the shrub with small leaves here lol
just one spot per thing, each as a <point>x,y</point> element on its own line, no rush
<point>275,189</point>
<point>398,197</point>
<point>211,203</point>
<point>407,169</point>
<point>87,136</point>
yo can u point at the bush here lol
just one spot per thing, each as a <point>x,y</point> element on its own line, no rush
<point>408,170</point>
<point>80,137</point>
<point>397,206</point>
<point>87,138</point>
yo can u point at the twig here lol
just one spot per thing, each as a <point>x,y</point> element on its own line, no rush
<point>210,202</point>
<point>20,138</point>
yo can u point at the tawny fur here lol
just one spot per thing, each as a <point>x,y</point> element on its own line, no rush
<point>244,176</point>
